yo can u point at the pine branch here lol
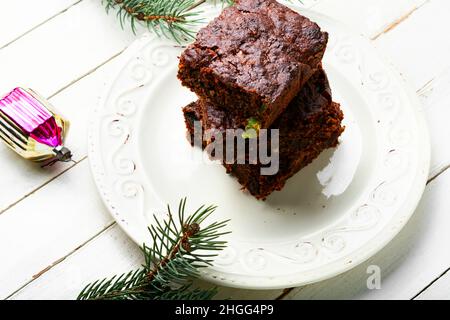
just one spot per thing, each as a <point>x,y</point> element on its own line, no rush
<point>175,19</point>
<point>178,250</point>
<point>172,18</point>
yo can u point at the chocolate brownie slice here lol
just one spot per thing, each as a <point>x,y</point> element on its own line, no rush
<point>310,124</point>
<point>253,59</point>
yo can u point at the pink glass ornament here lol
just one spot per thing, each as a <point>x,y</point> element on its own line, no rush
<point>30,127</point>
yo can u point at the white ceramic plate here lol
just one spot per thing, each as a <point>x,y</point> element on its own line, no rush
<point>331,216</point>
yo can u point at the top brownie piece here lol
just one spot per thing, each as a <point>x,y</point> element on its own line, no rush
<point>253,59</point>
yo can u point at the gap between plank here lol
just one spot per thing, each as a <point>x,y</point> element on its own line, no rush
<point>36,189</point>
<point>57,262</point>
<point>87,73</point>
<point>422,89</point>
<point>39,25</point>
<point>398,21</point>
<point>438,174</point>
<point>42,185</point>
<point>430,284</point>
<point>284,293</point>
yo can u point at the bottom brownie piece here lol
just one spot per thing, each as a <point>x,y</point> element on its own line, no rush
<point>309,125</point>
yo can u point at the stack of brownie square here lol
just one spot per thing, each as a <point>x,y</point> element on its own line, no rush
<point>259,64</point>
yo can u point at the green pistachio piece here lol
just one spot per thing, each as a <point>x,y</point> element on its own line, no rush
<point>251,129</point>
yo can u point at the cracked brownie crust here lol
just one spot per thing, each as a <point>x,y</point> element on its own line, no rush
<point>253,59</point>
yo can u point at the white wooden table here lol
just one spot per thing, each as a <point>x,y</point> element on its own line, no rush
<point>55,234</point>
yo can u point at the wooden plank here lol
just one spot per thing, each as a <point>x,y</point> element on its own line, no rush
<point>47,226</point>
<point>436,100</point>
<point>417,256</point>
<point>19,17</point>
<point>81,220</point>
<point>369,17</point>
<point>439,290</point>
<point>83,35</point>
<point>64,49</point>
<point>392,17</point>
<point>20,177</point>
<point>417,46</point>
<point>432,79</point>
<point>106,244</point>
<point>110,253</point>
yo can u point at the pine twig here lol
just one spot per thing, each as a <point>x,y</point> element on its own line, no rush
<point>175,19</point>
<point>178,250</point>
<point>172,18</point>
